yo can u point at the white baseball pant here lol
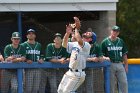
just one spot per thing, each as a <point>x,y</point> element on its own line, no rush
<point>71,81</point>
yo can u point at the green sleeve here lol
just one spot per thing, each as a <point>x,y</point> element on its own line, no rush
<point>103,47</point>
<point>23,51</point>
<point>124,50</point>
<point>7,51</point>
<point>67,55</point>
<point>99,51</point>
<point>49,52</point>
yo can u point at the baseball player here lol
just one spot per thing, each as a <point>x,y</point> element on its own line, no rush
<point>114,50</point>
<point>12,53</point>
<point>57,54</point>
<point>79,50</point>
<point>33,52</point>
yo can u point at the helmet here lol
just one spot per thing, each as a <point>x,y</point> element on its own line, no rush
<point>94,37</point>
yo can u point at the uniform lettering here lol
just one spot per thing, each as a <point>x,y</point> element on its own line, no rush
<point>32,52</point>
<point>114,48</point>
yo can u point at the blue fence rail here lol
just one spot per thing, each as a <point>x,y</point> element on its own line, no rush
<point>21,65</point>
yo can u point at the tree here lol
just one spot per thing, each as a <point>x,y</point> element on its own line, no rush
<point>128,18</point>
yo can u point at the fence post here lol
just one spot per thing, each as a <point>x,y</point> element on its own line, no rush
<point>20,80</point>
<point>107,79</point>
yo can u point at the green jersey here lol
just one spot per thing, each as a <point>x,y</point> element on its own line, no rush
<point>33,51</point>
<point>16,52</point>
<point>114,49</point>
<point>56,53</point>
<point>95,51</point>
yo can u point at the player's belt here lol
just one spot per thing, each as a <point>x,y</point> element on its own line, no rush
<point>76,70</point>
<point>116,61</point>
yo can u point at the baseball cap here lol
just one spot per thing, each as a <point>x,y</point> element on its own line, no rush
<point>30,30</point>
<point>116,28</point>
<point>15,35</point>
<point>57,34</point>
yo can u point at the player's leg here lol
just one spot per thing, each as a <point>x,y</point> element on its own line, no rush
<point>89,80</point>
<point>5,80</point>
<point>36,82</point>
<point>52,77</point>
<point>28,80</point>
<point>122,78</point>
<point>112,77</point>
<point>43,81</point>
<point>69,83</point>
<point>14,83</point>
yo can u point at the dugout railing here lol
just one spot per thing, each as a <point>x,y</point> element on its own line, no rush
<point>22,65</point>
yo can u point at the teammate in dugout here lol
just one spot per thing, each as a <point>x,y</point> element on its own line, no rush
<point>114,50</point>
<point>12,53</point>
<point>94,56</point>
<point>33,54</point>
<point>55,53</point>
<point>79,50</point>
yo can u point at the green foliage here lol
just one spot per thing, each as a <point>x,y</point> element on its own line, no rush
<point>128,18</point>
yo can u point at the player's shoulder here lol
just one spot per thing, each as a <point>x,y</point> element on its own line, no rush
<point>50,45</point>
<point>24,43</point>
<point>105,39</point>
<point>120,39</point>
<point>86,44</point>
<point>8,46</point>
<point>37,43</point>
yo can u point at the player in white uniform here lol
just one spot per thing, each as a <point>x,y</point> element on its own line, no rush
<point>79,50</point>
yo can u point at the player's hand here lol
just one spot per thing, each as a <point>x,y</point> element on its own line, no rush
<point>1,58</point>
<point>15,60</point>
<point>126,68</point>
<point>67,60</point>
<point>62,60</point>
<point>29,61</point>
<point>40,61</point>
<point>95,59</point>
<point>101,59</point>
<point>10,58</point>
<point>68,29</point>
<point>77,22</point>
<point>106,58</point>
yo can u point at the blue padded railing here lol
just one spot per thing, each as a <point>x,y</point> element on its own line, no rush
<point>21,65</point>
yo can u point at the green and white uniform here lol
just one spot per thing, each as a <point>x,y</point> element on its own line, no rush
<point>32,76</point>
<point>10,75</point>
<point>54,75</point>
<point>115,50</point>
<point>55,53</point>
<point>95,51</point>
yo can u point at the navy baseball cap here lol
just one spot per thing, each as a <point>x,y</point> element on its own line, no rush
<point>116,28</point>
<point>30,30</point>
<point>15,35</point>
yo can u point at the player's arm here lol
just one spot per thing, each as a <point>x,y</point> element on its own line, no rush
<point>66,36</point>
<point>78,38</point>
<point>125,62</point>
<point>1,57</point>
<point>77,34</point>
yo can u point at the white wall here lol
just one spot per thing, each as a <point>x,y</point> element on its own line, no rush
<point>57,5</point>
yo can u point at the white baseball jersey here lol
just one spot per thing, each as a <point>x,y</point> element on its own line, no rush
<point>78,54</point>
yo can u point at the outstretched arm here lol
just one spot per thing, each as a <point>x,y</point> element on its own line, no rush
<point>77,34</point>
<point>66,36</point>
